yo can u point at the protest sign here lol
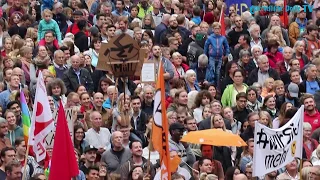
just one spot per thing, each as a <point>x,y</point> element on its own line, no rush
<point>50,137</point>
<point>275,148</point>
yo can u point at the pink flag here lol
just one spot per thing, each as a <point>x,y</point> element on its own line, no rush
<point>41,121</point>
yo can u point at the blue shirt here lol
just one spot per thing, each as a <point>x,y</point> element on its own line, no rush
<point>116,13</point>
<point>312,87</point>
<point>4,98</point>
<point>196,20</point>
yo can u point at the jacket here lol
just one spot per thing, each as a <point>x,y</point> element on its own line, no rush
<point>124,169</point>
<point>160,29</point>
<point>293,32</point>
<point>71,82</point>
<point>143,12</point>
<point>303,86</point>
<point>130,85</point>
<point>219,46</point>
<point>13,135</point>
<point>253,76</point>
<point>209,75</point>
<point>226,99</point>
<point>113,162</point>
<point>281,67</point>
<point>45,26</point>
<point>314,120</point>
<point>274,58</point>
<point>140,128</point>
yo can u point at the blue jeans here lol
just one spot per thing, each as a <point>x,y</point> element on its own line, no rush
<point>215,66</point>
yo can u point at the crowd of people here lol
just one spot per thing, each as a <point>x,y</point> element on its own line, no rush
<point>264,68</point>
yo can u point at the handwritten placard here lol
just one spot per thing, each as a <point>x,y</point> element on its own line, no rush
<point>148,73</point>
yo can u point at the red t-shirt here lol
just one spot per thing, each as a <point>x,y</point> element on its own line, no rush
<point>314,120</point>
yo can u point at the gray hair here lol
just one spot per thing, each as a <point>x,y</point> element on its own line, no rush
<point>243,53</point>
<point>246,16</point>
<point>255,47</point>
<point>296,44</point>
<point>309,66</point>
<point>203,59</point>
<point>147,86</point>
<point>288,47</point>
<point>252,27</point>
<point>3,120</point>
<point>261,58</point>
<point>189,73</point>
<point>57,52</point>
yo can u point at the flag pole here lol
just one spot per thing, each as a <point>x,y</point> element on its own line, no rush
<point>26,163</point>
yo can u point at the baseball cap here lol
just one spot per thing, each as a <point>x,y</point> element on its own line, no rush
<point>293,90</point>
<point>175,126</point>
<point>90,148</point>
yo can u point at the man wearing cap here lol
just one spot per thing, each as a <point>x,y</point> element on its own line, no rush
<point>292,94</point>
<point>77,16</point>
<point>311,84</point>
<point>183,149</point>
<point>90,154</point>
<point>311,114</point>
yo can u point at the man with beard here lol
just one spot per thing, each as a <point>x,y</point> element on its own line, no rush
<point>271,176</point>
<point>311,114</point>
<point>207,152</point>
<point>255,31</point>
<point>173,27</point>
<point>236,32</point>
<point>167,66</point>
<point>136,160</point>
<point>176,131</point>
<point>192,38</point>
<point>147,103</point>
<point>90,154</point>
<point>123,26</point>
<point>119,11</point>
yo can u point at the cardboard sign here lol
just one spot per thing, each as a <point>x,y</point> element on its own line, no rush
<point>148,72</point>
<point>122,56</point>
<point>50,137</point>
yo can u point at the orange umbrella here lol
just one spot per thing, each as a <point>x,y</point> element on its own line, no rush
<point>215,137</point>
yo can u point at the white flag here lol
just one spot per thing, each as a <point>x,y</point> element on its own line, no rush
<point>41,121</point>
<point>275,148</point>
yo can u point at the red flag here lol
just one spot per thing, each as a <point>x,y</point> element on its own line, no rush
<point>221,21</point>
<point>63,163</point>
<point>285,14</point>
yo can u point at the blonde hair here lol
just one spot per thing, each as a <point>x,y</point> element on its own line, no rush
<point>280,39</point>
<point>307,125</point>
<point>47,12</point>
<point>267,81</point>
<point>265,113</point>
<point>216,25</point>
<point>31,33</point>
<point>189,73</point>
<point>176,54</point>
<point>277,83</point>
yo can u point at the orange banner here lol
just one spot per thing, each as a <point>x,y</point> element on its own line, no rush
<point>160,127</point>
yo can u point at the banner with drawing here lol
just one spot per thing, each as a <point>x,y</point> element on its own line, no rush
<point>275,148</point>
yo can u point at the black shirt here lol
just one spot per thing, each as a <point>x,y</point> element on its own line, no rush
<point>3,175</point>
<point>201,74</point>
<point>233,36</point>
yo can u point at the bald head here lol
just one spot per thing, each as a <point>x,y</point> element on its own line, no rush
<point>75,62</point>
<point>240,177</point>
